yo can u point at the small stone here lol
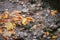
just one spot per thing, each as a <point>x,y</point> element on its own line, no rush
<point>25,34</point>
<point>24,10</point>
<point>39,4</point>
<point>35,33</point>
<point>34,39</point>
<point>48,37</point>
<point>58,29</point>
<point>44,36</point>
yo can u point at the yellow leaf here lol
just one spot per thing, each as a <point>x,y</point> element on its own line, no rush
<point>54,36</point>
<point>0,16</point>
<point>24,21</point>
<point>47,33</point>
<point>5,14</point>
<point>9,25</point>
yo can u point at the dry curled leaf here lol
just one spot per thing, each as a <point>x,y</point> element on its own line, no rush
<point>54,12</point>
<point>16,15</point>
<point>29,18</point>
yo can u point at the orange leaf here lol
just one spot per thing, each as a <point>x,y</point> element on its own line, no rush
<point>29,18</point>
<point>0,30</point>
<point>54,12</point>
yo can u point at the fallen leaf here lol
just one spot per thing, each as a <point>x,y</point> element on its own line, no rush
<point>54,36</point>
<point>0,30</point>
<point>29,18</point>
<point>10,25</point>
<point>24,21</point>
<point>54,12</point>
